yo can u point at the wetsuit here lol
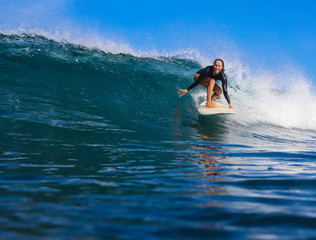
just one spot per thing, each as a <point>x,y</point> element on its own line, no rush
<point>208,72</point>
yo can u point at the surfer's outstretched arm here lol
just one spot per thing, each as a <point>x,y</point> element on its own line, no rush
<point>182,92</point>
<point>197,80</point>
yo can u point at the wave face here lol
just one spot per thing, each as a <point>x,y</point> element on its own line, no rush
<point>72,86</point>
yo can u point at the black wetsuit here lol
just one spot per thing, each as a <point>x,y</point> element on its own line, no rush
<point>208,72</point>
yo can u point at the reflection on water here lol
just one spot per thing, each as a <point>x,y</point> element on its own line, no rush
<point>214,128</point>
<point>206,131</point>
<point>209,157</point>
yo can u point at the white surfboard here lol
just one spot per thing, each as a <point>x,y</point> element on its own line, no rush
<point>219,109</point>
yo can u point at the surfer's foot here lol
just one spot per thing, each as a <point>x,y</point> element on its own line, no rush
<point>211,105</point>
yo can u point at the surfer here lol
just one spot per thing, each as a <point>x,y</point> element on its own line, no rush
<point>207,77</point>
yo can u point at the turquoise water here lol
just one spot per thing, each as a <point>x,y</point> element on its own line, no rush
<point>97,145</point>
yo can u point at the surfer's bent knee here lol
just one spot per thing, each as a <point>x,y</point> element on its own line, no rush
<point>196,76</point>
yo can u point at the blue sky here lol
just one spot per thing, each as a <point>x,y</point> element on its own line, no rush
<point>266,29</point>
<point>262,30</point>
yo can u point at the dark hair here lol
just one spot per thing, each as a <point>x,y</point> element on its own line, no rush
<point>218,59</point>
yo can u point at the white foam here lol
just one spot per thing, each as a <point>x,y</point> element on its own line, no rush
<point>282,97</point>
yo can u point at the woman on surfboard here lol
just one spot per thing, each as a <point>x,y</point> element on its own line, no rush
<point>207,77</point>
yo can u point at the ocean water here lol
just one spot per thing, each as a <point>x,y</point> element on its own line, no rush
<point>97,145</point>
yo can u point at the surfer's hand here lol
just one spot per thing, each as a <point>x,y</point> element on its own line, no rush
<point>230,106</point>
<point>182,92</point>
